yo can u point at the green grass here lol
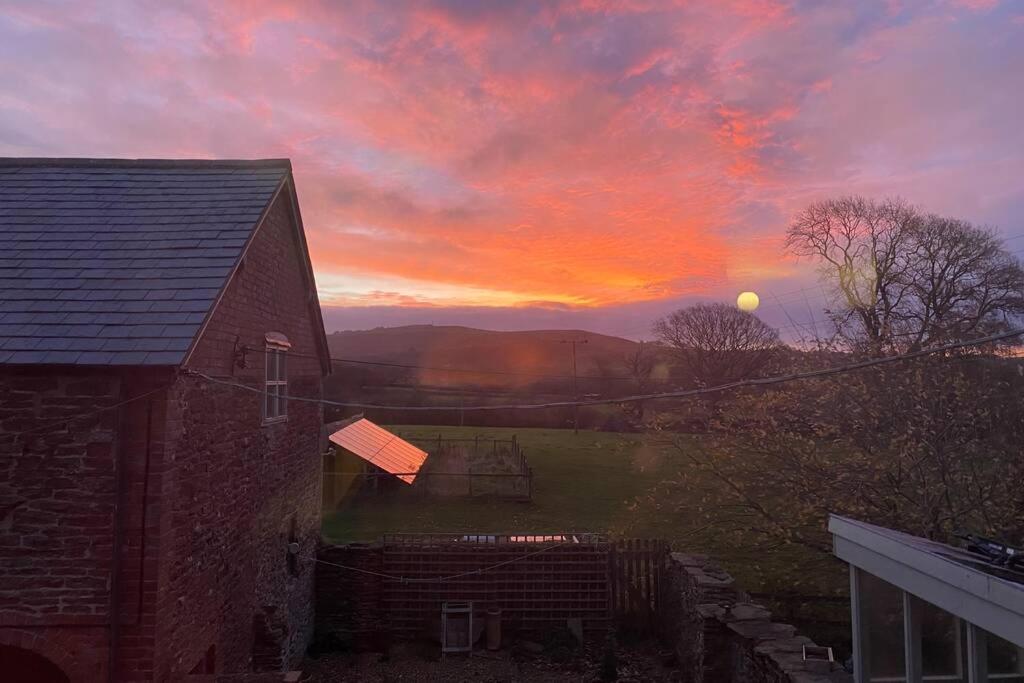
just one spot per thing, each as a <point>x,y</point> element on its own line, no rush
<point>597,481</point>
<point>580,483</point>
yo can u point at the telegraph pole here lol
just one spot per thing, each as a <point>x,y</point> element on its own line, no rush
<point>575,387</point>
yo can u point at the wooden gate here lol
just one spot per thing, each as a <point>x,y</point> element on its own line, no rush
<point>635,567</point>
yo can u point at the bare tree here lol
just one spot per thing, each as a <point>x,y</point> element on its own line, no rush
<point>718,343</point>
<point>640,366</point>
<point>903,279</point>
<point>963,284</point>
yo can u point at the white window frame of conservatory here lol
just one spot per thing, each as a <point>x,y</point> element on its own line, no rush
<point>970,642</point>
<point>994,604</point>
<point>977,655</point>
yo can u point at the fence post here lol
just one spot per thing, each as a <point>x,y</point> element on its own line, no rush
<point>613,594</point>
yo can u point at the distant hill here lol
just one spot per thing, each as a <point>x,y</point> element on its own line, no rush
<point>525,355</point>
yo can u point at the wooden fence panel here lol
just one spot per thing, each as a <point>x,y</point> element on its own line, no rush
<point>635,569</point>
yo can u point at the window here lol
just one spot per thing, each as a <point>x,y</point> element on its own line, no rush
<point>943,643</point>
<point>1005,661</point>
<point>899,637</point>
<point>882,605</point>
<point>275,407</point>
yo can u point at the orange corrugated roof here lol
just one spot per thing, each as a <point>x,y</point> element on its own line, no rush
<point>380,447</point>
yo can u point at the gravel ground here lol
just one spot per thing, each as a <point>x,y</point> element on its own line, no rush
<point>422,663</point>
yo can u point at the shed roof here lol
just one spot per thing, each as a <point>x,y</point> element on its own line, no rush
<point>118,262</point>
<point>380,447</point>
<point>951,578</point>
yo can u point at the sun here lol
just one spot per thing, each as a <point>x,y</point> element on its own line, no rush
<point>748,302</point>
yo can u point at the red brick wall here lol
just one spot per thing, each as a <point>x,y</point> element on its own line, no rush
<point>60,485</point>
<point>233,487</point>
<point>207,497</point>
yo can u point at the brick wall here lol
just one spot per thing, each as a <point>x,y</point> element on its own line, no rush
<point>60,485</point>
<point>718,635</point>
<point>161,526</point>
<point>236,491</point>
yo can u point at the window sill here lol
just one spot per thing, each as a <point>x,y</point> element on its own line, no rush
<point>267,422</point>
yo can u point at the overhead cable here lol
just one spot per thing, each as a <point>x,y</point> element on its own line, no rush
<point>764,381</point>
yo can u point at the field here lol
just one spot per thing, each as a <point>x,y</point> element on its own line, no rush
<point>596,481</point>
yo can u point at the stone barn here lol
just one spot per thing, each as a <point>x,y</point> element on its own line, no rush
<point>159,497</point>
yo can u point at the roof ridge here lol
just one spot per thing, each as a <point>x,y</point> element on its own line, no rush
<point>89,162</point>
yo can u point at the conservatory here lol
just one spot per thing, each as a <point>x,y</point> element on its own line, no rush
<point>926,611</point>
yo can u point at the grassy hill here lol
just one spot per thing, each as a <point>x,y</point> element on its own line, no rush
<point>527,356</point>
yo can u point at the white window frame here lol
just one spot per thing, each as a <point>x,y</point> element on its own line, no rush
<point>275,379</point>
<point>976,644</point>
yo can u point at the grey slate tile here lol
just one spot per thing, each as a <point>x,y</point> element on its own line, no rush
<point>19,343</point>
<point>26,357</point>
<point>179,344</point>
<point>61,357</point>
<point>135,306</point>
<point>151,344</point>
<point>53,344</point>
<point>170,306</point>
<point>129,358</point>
<point>85,247</point>
<point>95,358</point>
<point>115,344</point>
<point>181,330</point>
<point>164,358</point>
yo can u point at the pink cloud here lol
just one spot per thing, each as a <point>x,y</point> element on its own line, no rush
<point>594,153</point>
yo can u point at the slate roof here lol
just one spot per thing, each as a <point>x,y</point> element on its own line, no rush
<point>118,262</point>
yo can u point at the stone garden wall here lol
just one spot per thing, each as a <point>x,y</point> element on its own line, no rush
<point>719,636</point>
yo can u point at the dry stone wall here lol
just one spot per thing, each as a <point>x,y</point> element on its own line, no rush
<point>719,635</point>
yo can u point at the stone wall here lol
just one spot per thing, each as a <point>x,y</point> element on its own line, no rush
<point>237,490</point>
<point>719,636</point>
<point>72,514</point>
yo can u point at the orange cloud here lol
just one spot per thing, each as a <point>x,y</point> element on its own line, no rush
<point>585,154</point>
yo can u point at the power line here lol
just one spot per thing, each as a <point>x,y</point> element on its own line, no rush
<point>764,381</point>
<point>68,418</point>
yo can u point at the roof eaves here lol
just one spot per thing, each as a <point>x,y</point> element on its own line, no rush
<point>321,332</point>
<point>988,601</point>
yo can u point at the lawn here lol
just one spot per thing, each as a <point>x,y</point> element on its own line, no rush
<point>581,483</point>
<point>595,481</point>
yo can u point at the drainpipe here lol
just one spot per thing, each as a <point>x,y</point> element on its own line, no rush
<point>115,576</point>
<point>119,513</point>
<point>145,509</point>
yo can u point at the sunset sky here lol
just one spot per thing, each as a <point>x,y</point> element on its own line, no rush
<point>539,164</point>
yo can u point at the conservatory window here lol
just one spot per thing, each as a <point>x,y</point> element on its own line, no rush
<point>899,637</point>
